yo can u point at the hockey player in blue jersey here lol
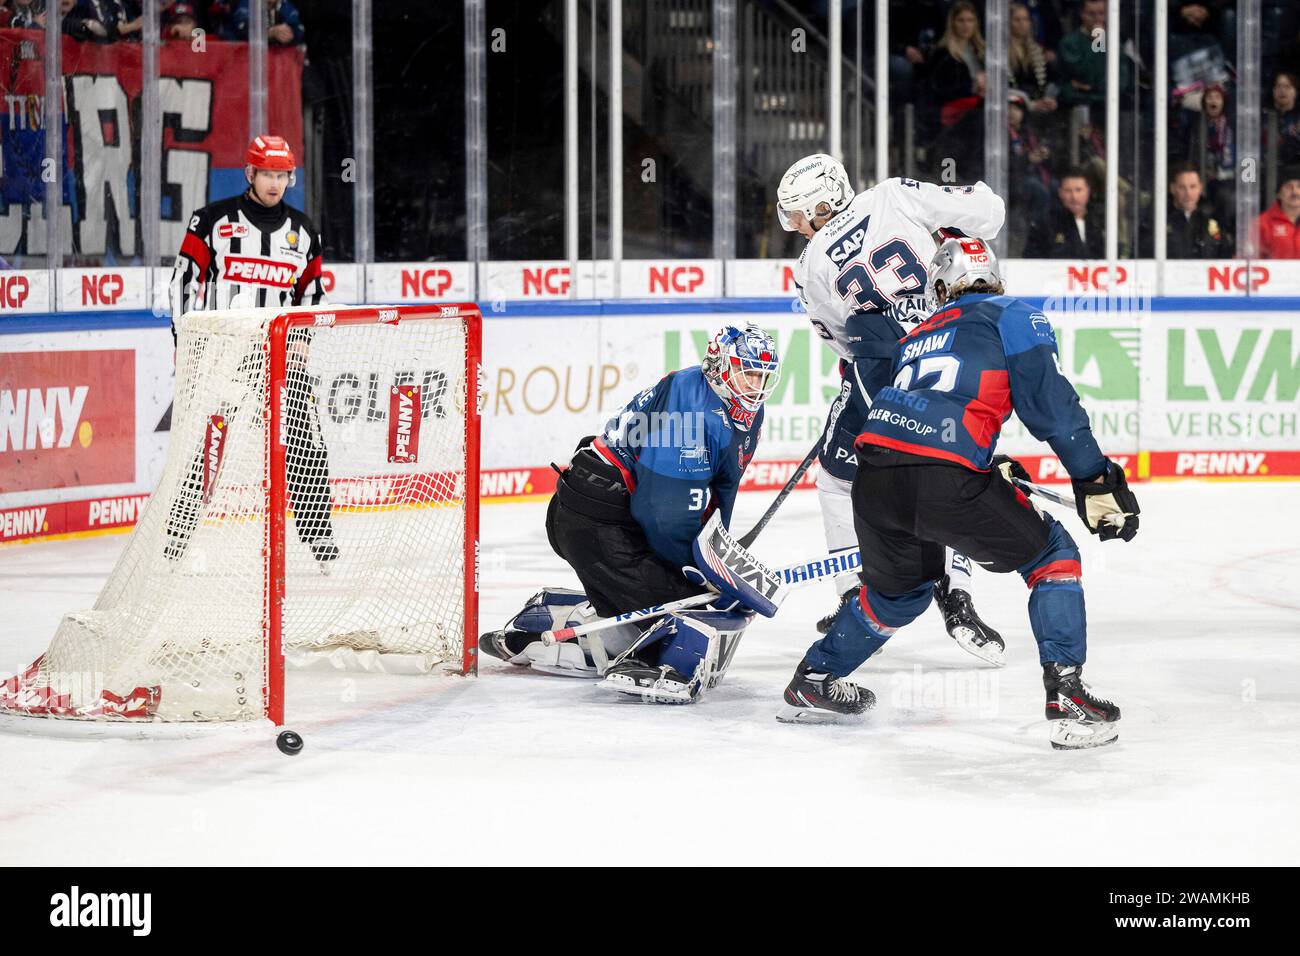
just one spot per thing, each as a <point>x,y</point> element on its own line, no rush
<point>928,478</point>
<point>625,512</point>
<point>861,279</point>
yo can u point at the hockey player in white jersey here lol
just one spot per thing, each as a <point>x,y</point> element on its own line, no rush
<point>861,279</point>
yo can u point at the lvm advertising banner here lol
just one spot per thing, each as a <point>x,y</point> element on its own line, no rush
<point>1169,394</point>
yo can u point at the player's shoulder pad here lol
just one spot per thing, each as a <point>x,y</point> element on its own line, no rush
<point>1022,326</point>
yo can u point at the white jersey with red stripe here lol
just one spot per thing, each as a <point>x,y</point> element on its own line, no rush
<point>267,256</point>
<point>873,256</point>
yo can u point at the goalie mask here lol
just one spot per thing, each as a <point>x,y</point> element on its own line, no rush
<point>961,266</point>
<point>814,180</point>
<point>742,367</point>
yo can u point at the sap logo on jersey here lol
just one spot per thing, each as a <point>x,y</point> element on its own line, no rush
<point>840,252</point>
<point>260,272</point>
<point>232,230</point>
<point>924,346</point>
<point>13,291</point>
<point>101,290</point>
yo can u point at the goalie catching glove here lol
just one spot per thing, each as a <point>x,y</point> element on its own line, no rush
<point>1107,494</point>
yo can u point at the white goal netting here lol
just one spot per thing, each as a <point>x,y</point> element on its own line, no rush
<point>376,442</point>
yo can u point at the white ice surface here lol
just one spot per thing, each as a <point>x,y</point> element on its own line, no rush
<point>1194,631</point>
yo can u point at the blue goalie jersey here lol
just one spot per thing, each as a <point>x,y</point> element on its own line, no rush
<point>680,456</point>
<point>959,375</point>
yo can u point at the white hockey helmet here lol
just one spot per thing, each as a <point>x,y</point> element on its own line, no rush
<point>957,267</point>
<point>814,180</point>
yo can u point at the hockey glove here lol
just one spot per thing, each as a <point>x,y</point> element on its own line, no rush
<point>1010,468</point>
<point>1108,494</point>
<point>724,602</point>
<point>909,311</point>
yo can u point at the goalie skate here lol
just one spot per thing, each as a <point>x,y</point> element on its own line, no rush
<point>653,684</point>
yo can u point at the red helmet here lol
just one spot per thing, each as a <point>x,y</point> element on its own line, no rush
<point>270,152</point>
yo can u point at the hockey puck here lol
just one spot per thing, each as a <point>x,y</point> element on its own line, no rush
<point>290,744</point>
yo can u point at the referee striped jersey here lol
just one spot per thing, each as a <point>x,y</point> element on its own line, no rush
<point>268,256</point>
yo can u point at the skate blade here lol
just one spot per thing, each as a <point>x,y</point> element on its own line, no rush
<point>619,684</point>
<point>560,671</point>
<point>989,652</point>
<point>1083,734</point>
<point>790,714</point>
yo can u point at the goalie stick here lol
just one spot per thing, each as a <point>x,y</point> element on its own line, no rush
<point>791,575</point>
<point>784,493</point>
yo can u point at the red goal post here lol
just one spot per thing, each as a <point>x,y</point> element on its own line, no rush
<point>357,428</point>
<point>278,339</point>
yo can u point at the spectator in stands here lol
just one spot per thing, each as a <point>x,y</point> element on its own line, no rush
<point>1031,65</point>
<point>1288,118</point>
<point>1197,57</point>
<point>1193,231</point>
<point>914,26</point>
<point>1032,70</point>
<point>1029,179</point>
<point>102,21</point>
<point>286,25</point>
<point>179,21</point>
<point>1045,24</point>
<point>1083,67</point>
<point>957,82</point>
<point>28,15</point>
<point>1219,159</point>
<point>1279,226</point>
<point>1070,230</point>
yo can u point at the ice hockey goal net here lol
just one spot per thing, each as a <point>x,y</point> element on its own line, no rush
<point>320,493</point>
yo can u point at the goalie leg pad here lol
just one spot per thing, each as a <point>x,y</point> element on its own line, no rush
<point>687,657</point>
<point>551,609</point>
<point>730,627</point>
<point>564,659</point>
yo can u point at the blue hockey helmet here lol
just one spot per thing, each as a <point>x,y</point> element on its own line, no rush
<point>742,367</point>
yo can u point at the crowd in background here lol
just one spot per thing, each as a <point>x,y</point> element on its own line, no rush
<point>1056,119</point>
<point>1056,106</point>
<point>116,21</point>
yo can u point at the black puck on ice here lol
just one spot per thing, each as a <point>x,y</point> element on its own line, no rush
<point>289,743</point>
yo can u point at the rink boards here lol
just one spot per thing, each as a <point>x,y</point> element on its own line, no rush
<point>1186,387</point>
